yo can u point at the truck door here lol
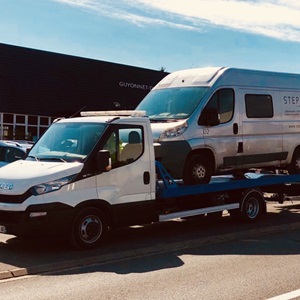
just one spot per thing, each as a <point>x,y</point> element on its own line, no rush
<point>223,136</point>
<point>262,128</point>
<point>127,185</point>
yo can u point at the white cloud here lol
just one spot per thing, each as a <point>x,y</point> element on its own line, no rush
<point>278,19</point>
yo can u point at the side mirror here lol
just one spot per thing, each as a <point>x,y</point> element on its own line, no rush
<point>210,117</point>
<point>103,161</point>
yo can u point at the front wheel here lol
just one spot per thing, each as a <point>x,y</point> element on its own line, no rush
<point>198,170</point>
<point>89,228</point>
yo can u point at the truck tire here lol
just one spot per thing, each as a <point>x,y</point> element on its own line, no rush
<point>198,170</point>
<point>252,205</point>
<point>89,228</point>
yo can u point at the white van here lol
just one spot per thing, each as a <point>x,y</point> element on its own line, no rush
<point>211,120</point>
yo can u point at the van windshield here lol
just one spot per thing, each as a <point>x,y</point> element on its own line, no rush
<point>172,103</point>
<point>67,142</point>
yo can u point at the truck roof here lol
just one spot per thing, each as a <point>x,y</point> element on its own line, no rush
<point>227,76</point>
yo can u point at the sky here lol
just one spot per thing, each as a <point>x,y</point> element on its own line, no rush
<point>156,34</point>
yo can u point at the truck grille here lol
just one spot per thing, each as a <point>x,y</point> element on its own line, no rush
<point>15,198</point>
<point>10,217</point>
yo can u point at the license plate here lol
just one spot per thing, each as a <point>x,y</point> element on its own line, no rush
<point>2,229</point>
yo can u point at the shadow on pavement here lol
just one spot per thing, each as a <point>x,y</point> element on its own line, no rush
<point>54,253</point>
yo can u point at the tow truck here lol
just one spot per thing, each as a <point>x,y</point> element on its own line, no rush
<point>89,174</point>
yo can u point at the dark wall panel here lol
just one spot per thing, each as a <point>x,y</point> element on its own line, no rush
<point>51,84</point>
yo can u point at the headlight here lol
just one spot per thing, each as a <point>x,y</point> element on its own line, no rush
<point>175,131</point>
<point>51,186</point>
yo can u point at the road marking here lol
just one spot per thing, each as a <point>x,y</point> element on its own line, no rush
<point>287,296</point>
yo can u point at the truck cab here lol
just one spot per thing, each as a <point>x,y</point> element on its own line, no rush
<point>104,162</point>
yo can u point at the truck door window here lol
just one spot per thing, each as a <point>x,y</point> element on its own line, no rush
<point>259,106</point>
<point>223,101</point>
<point>125,145</point>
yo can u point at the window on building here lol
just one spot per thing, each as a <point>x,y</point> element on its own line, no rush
<point>20,119</point>
<point>8,118</point>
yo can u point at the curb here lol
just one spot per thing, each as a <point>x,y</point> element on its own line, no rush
<point>160,248</point>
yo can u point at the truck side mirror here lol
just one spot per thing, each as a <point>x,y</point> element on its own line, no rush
<point>103,161</point>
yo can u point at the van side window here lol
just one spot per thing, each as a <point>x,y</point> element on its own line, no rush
<point>259,106</point>
<point>223,102</point>
<point>125,145</point>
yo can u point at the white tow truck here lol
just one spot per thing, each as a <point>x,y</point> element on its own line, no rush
<point>89,174</point>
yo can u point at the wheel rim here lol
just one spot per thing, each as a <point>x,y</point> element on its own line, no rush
<point>199,171</point>
<point>90,229</point>
<point>252,208</point>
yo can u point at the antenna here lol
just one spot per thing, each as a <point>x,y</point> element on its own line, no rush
<point>77,112</point>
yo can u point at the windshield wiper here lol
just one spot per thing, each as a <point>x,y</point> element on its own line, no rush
<point>53,159</point>
<point>34,157</point>
<point>163,120</point>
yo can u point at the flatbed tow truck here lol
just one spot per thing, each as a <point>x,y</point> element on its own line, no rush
<point>89,174</point>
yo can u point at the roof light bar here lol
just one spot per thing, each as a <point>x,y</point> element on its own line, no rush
<point>125,113</point>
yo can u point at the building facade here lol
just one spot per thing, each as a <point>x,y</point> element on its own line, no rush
<point>38,86</point>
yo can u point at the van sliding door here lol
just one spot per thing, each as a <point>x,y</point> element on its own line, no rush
<point>262,128</point>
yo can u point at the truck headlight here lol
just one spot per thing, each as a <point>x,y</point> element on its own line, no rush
<point>175,131</point>
<point>51,186</point>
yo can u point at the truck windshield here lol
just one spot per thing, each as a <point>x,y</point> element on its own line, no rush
<point>67,142</point>
<point>172,103</point>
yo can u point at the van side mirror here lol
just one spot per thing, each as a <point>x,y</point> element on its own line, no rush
<point>209,117</point>
<point>103,161</point>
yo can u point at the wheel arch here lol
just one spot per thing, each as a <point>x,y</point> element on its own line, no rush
<point>292,167</point>
<point>203,151</point>
<point>103,205</point>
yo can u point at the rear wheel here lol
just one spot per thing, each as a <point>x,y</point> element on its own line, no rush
<point>89,228</point>
<point>198,170</point>
<point>252,205</point>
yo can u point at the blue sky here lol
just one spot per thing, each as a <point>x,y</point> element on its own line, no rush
<point>174,34</point>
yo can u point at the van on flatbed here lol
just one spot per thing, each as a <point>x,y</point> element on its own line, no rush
<point>214,120</point>
<point>89,174</point>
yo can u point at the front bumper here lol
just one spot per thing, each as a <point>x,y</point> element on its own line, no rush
<point>55,218</point>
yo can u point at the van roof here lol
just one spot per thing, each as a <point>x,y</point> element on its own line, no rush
<point>225,76</point>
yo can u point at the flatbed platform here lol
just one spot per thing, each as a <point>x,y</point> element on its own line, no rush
<point>271,183</point>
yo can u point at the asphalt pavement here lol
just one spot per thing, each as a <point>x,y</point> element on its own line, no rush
<point>19,257</point>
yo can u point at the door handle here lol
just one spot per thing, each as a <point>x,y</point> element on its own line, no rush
<point>235,128</point>
<point>146,177</point>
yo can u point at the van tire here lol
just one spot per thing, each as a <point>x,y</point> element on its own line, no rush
<point>89,228</point>
<point>295,165</point>
<point>198,170</point>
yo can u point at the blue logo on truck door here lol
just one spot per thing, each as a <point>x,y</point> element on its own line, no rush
<point>6,186</point>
